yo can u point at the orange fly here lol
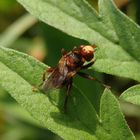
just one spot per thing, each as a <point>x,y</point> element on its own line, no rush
<point>68,66</point>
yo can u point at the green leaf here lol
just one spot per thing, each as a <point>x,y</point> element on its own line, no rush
<point>16,111</point>
<point>116,36</point>
<point>132,95</point>
<point>127,31</point>
<point>112,59</point>
<point>112,119</point>
<point>20,72</point>
<point>73,17</point>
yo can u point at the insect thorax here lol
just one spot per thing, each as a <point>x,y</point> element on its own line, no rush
<point>74,60</point>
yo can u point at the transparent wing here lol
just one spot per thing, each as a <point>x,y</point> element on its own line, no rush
<point>55,79</point>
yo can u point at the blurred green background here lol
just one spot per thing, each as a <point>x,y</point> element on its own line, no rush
<point>22,32</point>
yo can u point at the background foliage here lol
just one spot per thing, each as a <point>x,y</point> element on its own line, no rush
<point>114,56</point>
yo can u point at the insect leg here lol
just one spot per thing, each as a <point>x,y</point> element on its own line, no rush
<point>44,75</point>
<point>35,88</point>
<point>75,48</point>
<point>68,88</point>
<point>88,65</point>
<point>63,51</point>
<point>84,75</point>
<point>49,70</point>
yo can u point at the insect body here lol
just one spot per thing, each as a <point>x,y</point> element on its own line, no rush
<point>68,66</point>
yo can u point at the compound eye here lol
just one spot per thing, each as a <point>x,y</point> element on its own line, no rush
<point>87,52</point>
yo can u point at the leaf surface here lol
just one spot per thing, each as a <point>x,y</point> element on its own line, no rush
<point>116,36</point>
<point>132,95</point>
<point>113,121</point>
<point>20,72</point>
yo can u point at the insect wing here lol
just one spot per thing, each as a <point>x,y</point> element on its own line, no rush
<point>54,80</point>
